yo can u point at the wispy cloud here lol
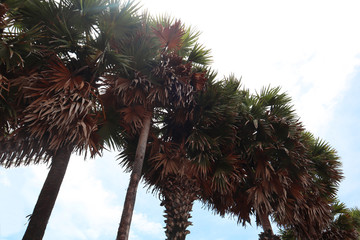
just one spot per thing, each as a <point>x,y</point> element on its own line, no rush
<point>143,225</point>
<point>87,207</point>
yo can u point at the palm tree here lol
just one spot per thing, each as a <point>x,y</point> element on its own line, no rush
<point>179,154</point>
<point>161,78</point>
<point>131,91</point>
<point>306,216</point>
<point>60,95</point>
<point>276,159</point>
<point>299,174</point>
<point>272,156</point>
<point>344,224</point>
<point>168,169</point>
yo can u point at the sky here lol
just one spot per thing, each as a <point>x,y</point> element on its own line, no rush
<point>309,48</point>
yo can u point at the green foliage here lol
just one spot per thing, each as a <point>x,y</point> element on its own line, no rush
<point>200,55</point>
<point>270,99</point>
<point>327,167</point>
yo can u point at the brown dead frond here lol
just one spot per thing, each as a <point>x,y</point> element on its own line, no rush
<point>170,36</point>
<point>4,86</point>
<point>61,112</point>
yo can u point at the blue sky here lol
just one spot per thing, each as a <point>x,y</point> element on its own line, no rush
<point>311,49</point>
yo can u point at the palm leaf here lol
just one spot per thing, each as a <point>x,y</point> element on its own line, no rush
<point>170,35</point>
<point>200,55</point>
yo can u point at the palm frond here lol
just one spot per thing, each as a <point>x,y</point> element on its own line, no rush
<point>119,21</point>
<point>110,131</point>
<point>270,99</point>
<point>200,55</point>
<point>170,35</point>
<point>327,167</point>
<point>189,39</point>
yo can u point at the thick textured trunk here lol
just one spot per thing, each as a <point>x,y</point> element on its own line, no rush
<point>179,194</point>
<point>124,227</point>
<point>48,195</point>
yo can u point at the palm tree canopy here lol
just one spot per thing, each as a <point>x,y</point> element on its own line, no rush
<point>59,95</point>
<point>344,224</point>
<point>280,164</point>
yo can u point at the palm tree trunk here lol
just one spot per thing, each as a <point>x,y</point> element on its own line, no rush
<point>124,227</point>
<point>179,194</point>
<point>49,192</point>
<point>268,233</point>
<point>265,223</point>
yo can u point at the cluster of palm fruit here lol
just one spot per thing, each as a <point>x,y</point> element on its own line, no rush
<point>81,76</point>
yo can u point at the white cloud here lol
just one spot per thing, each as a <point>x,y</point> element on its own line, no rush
<point>4,181</point>
<point>12,207</point>
<point>84,203</point>
<point>143,225</point>
<point>88,208</point>
<point>88,205</point>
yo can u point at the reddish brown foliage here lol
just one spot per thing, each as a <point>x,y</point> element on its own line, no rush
<point>170,36</point>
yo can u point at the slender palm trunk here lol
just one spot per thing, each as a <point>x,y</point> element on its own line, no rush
<point>268,233</point>
<point>124,227</point>
<point>265,223</point>
<point>179,194</point>
<point>48,195</point>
